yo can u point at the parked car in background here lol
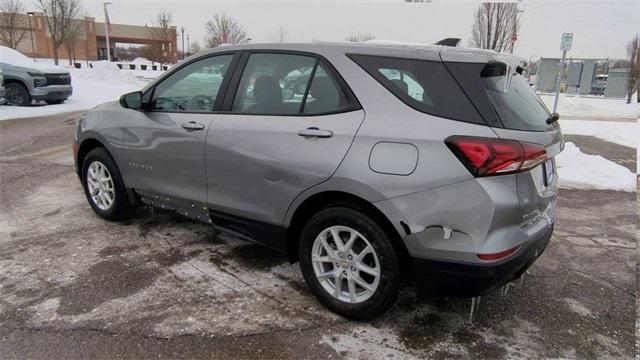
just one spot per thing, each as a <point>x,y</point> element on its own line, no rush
<point>368,164</point>
<point>2,100</point>
<point>26,80</point>
<point>599,84</point>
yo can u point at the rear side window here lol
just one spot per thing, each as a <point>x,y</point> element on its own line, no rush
<point>425,86</point>
<point>517,105</point>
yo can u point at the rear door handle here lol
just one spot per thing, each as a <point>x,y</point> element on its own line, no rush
<point>192,125</point>
<point>314,132</point>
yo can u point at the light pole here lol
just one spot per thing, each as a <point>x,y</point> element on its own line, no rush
<point>33,49</point>
<point>188,45</point>
<point>182,31</point>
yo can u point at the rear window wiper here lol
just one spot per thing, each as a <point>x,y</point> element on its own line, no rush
<point>553,118</point>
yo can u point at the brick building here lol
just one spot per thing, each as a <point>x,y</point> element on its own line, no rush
<point>91,44</point>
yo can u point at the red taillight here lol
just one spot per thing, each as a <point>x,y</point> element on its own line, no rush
<point>486,156</point>
<point>498,256</point>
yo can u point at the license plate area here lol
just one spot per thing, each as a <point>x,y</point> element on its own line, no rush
<point>548,172</point>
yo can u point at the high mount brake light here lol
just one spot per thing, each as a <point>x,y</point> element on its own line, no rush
<point>487,156</point>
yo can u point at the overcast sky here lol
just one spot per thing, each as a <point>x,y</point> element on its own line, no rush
<point>602,28</point>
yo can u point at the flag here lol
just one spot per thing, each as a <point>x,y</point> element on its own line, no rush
<point>106,16</point>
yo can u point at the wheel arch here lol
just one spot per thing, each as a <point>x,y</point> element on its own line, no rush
<point>325,199</point>
<point>85,147</point>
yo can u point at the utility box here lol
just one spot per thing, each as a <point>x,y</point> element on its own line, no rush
<point>573,76</point>
<point>617,83</point>
<point>547,74</point>
<point>587,75</point>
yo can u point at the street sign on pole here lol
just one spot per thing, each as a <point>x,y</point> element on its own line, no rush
<point>565,45</point>
<point>567,41</point>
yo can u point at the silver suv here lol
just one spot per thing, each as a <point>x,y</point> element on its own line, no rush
<point>368,164</point>
<point>26,80</point>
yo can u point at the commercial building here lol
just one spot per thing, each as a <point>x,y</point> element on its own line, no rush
<point>91,41</point>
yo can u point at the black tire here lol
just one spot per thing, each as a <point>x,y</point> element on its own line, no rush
<point>385,294</point>
<point>17,94</point>
<point>120,207</point>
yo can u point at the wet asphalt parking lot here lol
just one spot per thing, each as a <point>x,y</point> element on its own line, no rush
<point>160,286</point>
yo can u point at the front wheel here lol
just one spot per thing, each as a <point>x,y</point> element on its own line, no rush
<point>17,94</point>
<point>103,186</point>
<point>349,263</point>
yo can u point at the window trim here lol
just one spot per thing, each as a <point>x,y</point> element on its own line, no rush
<point>382,80</point>
<point>217,105</point>
<point>352,100</point>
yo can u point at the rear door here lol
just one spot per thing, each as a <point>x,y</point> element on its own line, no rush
<point>163,146</point>
<point>289,123</point>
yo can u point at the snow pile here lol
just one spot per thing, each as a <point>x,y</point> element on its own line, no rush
<point>622,133</point>
<point>91,87</point>
<point>141,61</point>
<point>15,58</point>
<point>592,107</point>
<point>577,170</point>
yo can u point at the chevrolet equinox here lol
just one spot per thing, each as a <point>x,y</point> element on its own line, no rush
<point>367,164</point>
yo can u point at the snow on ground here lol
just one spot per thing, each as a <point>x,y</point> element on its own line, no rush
<point>622,133</point>
<point>91,87</point>
<point>577,170</point>
<point>574,106</point>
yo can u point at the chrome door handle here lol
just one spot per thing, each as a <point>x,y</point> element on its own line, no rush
<point>314,132</point>
<point>192,125</point>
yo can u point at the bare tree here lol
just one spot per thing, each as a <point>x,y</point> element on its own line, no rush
<point>223,29</point>
<point>281,36</point>
<point>161,33</point>
<point>360,37</point>
<point>194,47</point>
<point>72,34</point>
<point>12,19</point>
<point>633,84</point>
<point>495,26</point>
<point>59,15</point>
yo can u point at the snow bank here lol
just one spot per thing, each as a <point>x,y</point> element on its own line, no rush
<point>577,170</point>
<point>91,87</point>
<point>15,58</point>
<point>592,107</point>
<point>622,133</point>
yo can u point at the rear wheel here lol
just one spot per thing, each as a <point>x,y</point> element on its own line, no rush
<point>349,263</point>
<point>17,94</point>
<point>103,186</point>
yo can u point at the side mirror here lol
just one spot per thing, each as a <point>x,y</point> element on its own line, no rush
<point>132,100</point>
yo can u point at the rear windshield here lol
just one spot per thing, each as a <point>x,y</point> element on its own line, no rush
<point>426,86</point>
<point>517,105</point>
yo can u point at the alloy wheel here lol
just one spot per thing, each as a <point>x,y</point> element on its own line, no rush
<point>345,264</point>
<point>100,185</point>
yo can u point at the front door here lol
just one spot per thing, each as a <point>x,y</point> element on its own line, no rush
<point>288,128</point>
<point>164,145</point>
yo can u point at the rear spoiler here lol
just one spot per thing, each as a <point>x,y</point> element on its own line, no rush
<point>453,42</point>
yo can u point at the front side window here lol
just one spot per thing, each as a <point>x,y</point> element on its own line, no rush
<point>424,85</point>
<point>193,88</point>
<point>288,84</point>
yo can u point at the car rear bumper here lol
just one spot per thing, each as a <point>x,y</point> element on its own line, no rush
<point>52,92</point>
<point>468,280</point>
